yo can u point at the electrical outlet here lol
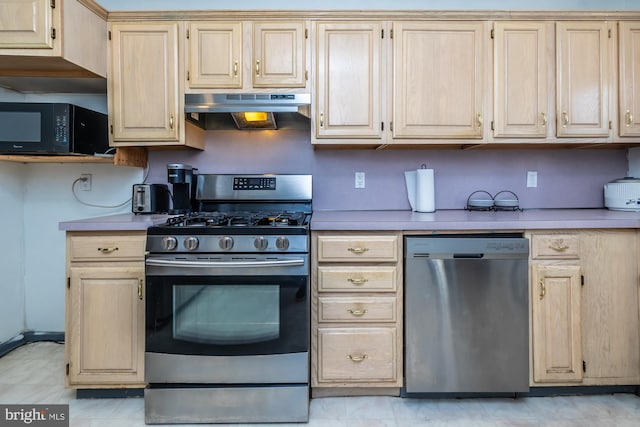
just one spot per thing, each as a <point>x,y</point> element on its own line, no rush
<point>532,179</point>
<point>359,180</point>
<point>85,182</point>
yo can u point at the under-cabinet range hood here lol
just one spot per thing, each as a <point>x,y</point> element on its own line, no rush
<point>250,110</point>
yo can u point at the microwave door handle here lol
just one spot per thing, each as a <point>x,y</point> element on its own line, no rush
<point>198,264</point>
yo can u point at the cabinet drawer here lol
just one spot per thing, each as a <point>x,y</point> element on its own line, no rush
<point>106,247</point>
<point>356,354</point>
<point>356,279</point>
<point>357,310</point>
<point>358,248</point>
<point>555,246</point>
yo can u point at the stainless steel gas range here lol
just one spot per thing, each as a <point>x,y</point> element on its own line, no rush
<point>227,311</point>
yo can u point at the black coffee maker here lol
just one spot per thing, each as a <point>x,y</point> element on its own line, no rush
<point>181,178</point>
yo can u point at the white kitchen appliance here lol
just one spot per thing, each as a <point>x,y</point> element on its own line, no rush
<point>622,194</point>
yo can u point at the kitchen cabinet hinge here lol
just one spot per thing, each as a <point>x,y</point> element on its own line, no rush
<point>111,129</point>
<point>109,34</point>
<point>67,369</point>
<point>584,366</point>
<point>581,280</point>
<point>188,76</point>
<point>609,32</point>
<point>53,33</point>
<point>391,126</point>
<point>391,34</point>
<point>493,34</point>
<point>492,125</point>
<point>382,33</point>
<point>306,33</point>
<point>610,125</point>
<point>68,282</point>
<point>187,34</point>
<point>306,74</point>
<point>382,126</point>
<point>53,4</point>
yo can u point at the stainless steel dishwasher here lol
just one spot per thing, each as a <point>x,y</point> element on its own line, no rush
<point>466,314</point>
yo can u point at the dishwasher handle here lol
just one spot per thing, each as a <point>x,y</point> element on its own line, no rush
<point>469,256</point>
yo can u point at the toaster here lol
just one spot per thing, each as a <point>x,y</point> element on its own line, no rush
<point>622,194</point>
<point>150,198</point>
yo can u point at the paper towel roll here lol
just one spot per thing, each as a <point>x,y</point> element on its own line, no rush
<point>425,194</point>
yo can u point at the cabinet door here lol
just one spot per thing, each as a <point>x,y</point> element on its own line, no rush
<point>583,78</point>
<point>555,305</point>
<point>279,52</point>
<point>215,55</point>
<point>629,79</point>
<point>349,80</point>
<point>26,24</point>
<point>144,92</point>
<point>610,325</point>
<point>105,329</point>
<point>520,80</point>
<point>438,87</point>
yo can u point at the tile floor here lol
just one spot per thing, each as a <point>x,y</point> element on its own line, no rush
<point>33,374</point>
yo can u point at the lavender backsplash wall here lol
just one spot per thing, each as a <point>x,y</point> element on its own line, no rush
<point>567,178</point>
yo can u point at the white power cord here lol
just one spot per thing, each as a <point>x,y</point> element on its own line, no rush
<point>75,196</point>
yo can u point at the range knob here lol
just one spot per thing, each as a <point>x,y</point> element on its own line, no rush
<point>282,243</point>
<point>225,243</point>
<point>261,243</point>
<point>191,243</point>
<point>169,243</point>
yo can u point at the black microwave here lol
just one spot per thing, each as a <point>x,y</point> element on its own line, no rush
<point>51,128</point>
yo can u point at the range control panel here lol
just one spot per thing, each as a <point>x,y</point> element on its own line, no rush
<point>254,183</point>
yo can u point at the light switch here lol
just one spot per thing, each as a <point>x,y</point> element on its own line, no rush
<point>359,180</point>
<point>532,179</point>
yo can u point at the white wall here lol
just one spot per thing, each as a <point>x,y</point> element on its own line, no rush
<point>12,267</point>
<point>34,198</point>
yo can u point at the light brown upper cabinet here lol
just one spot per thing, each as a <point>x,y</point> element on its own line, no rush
<point>521,96</point>
<point>583,52</point>
<point>438,85</point>
<point>26,24</point>
<point>62,38</point>
<point>144,81</point>
<point>629,35</point>
<point>350,81</point>
<point>144,90</point>
<point>218,57</point>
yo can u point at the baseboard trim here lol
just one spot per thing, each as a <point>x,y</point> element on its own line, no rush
<point>108,393</point>
<point>29,337</point>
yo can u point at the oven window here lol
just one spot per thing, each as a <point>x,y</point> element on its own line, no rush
<point>212,314</point>
<point>227,316</point>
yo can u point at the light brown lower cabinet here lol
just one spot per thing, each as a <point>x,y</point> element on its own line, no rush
<point>585,310</point>
<point>104,333</point>
<point>356,328</point>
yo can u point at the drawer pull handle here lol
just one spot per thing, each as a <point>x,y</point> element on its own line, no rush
<point>358,312</point>
<point>628,118</point>
<point>559,248</point>
<point>140,288</point>
<point>358,280</point>
<point>357,358</point>
<point>235,68</point>
<point>544,119</point>
<point>565,119</point>
<point>358,250</point>
<point>108,250</point>
<point>543,289</point>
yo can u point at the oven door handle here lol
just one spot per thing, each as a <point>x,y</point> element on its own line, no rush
<point>198,264</point>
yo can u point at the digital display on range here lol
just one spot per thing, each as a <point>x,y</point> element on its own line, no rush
<point>254,183</point>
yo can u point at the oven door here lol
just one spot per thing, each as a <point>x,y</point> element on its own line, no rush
<point>227,318</point>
